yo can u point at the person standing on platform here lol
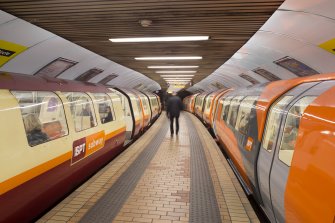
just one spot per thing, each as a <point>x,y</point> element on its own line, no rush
<point>173,108</point>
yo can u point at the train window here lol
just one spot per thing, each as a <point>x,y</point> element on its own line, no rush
<point>233,110</point>
<point>209,102</point>
<point>154,102</point>
<point>144,103</point>
<point>43,116</point>
<point>139,105</point>
<point>105,105</point>
<point>291,129</point>
<point>82,110</point>
<point>124,103</point>
<point>243,116</point>
<point>225,108</point>
<point>271,128</point>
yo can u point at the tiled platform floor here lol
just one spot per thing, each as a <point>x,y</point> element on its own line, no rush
<point>162,194</point>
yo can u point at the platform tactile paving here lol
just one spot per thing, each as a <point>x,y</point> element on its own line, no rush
<point>75,206</point>
<point>233,203</point>
<point>203,204</point>
<point>109,205</point>
<point>187,179</point>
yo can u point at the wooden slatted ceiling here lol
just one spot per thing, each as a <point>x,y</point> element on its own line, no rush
<point>90,23</point>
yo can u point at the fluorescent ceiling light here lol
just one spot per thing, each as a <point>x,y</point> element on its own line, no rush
<point>176,72</point>
<point>171,67</point>
<point>177,80</point>
<point>170,58</point>
<point>159,39</point>
<point>186,78</point>
<point>178,75</point>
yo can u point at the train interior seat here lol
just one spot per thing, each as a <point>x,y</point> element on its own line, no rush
<point>53,129</point>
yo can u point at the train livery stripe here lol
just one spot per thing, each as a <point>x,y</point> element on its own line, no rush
<point>116,132</point>
<point>21,178</point>
<point>30,174</point>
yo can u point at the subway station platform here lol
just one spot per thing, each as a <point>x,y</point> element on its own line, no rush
<point>161,178</point>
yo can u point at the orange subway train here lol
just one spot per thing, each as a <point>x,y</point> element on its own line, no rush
<point>57,133</point>
<point>280,141</point>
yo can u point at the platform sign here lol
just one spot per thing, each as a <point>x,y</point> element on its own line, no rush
<point>329,46</point>
<point>9,50</point>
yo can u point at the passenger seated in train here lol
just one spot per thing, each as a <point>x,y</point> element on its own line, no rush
<point>53,129</point>
<point>109,116</point>
<point>232,118</point>
<point>291,129</point>
<point>34,132</point>
<point>243,123</point>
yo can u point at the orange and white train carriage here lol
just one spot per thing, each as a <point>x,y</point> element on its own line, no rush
<point>279,137</point>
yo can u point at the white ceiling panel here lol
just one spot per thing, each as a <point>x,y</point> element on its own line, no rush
<point>248,63</point>
<point>36,57</point>
<point>44,47</point>
<point>301,26</point>
<point>23,33</point>
<point>5,17</point>
<point>319,7</point>
<point>325,61</point>
<point>295,30</point>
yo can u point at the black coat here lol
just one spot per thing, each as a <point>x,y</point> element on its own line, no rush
<point>109,117</point>
<point>36,137</point>
<point>174,106</point>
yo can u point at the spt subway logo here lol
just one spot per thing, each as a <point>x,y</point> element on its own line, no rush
<point>86,146</point>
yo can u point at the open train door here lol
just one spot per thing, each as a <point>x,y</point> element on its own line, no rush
<point>128,114</point>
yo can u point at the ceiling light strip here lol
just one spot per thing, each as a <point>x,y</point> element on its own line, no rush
<point>178,75</point>
<point>159,39</point>
<point>170,58</point>
<point>186,78</point>
<point>185,81</point>
<point>176,72</point>
<point>172,67</point>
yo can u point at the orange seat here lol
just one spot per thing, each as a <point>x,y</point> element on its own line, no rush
<point>53,129</point>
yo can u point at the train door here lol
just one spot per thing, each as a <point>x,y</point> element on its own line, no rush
<point>146,109</point>
<point>286,143</point>
<point>215,118</point>
<point>214,108</point>
<point>207,107</point>
<point>267,150</point>
<point>159,104</point>
<point>135,101</point>
<point>147,97</point>
<point>128,115</point>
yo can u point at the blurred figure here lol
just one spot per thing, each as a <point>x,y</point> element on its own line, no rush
<point>173,108</point>
<point>109,116</point>
<point>87,112</point>
<point>34,132</point>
